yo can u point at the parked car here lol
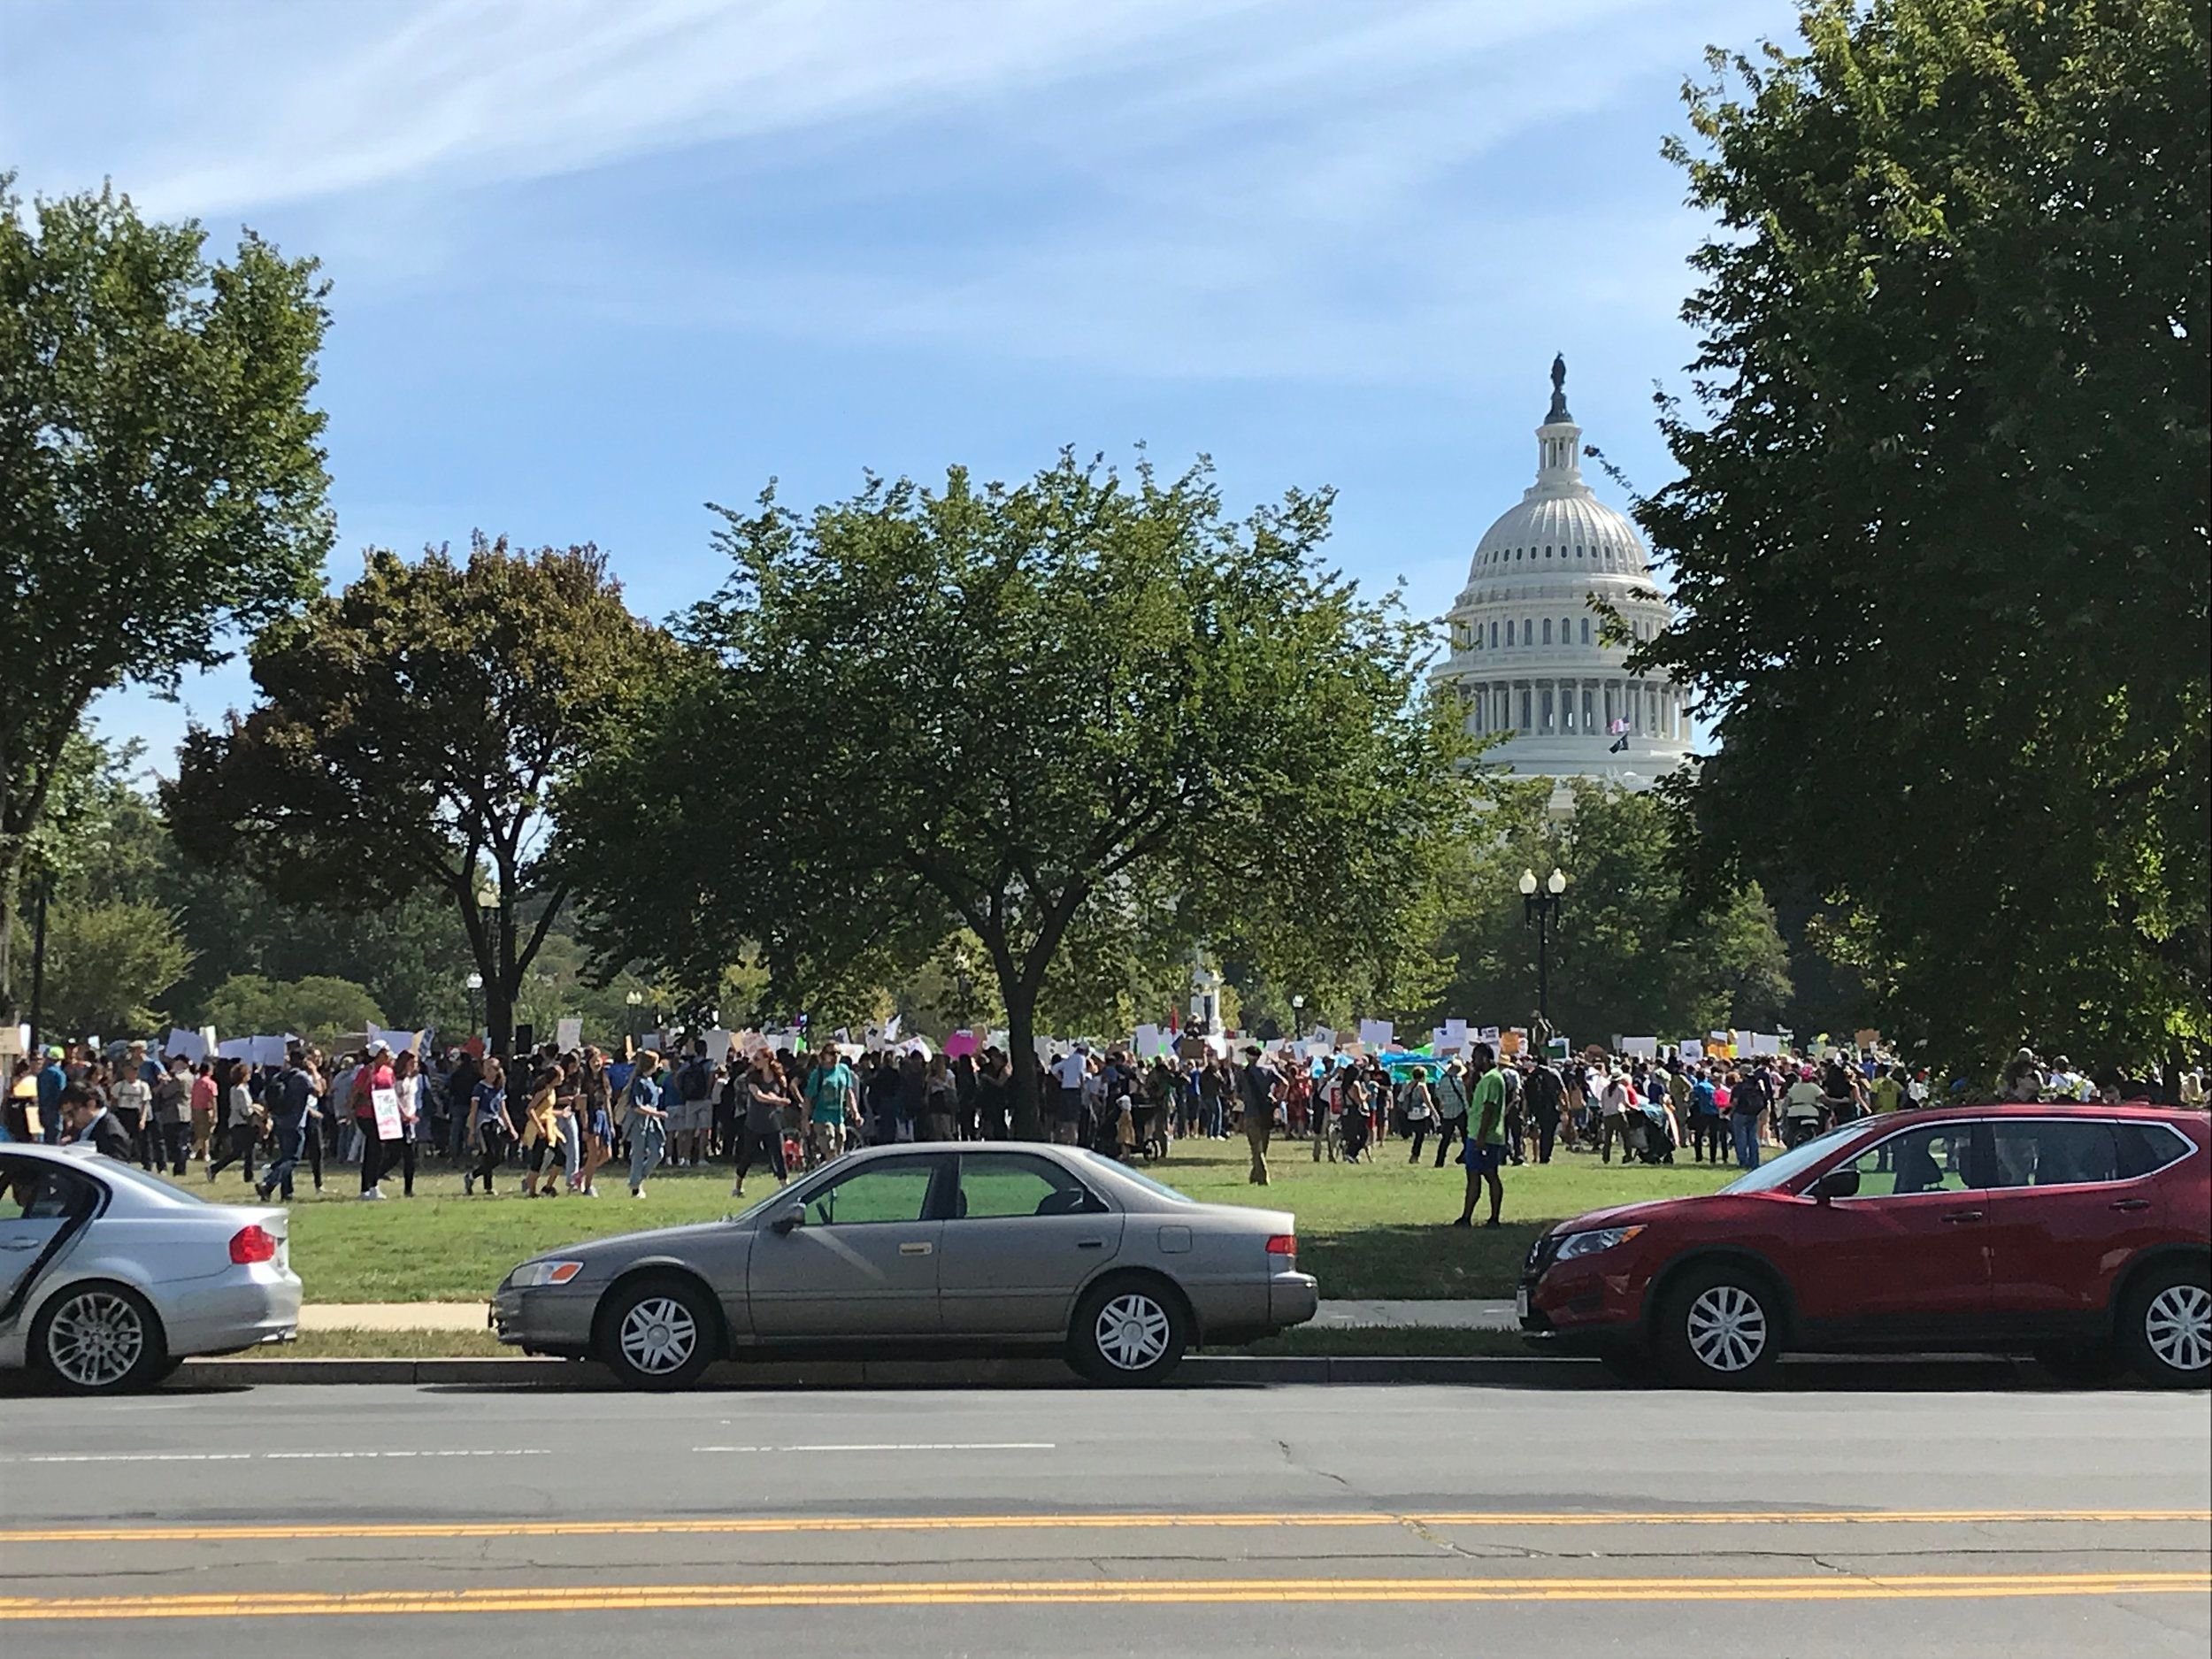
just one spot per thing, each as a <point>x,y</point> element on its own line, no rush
<point>109,1277</point>
<point>923,1249</point>
<point>2082,1234</point>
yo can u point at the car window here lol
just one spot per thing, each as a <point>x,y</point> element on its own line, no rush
<point>1160,1188</point>
<point>1934,1158</point>
<point>32,1189</point>
<point>1784,1167</point>
<point>890,1192</point>
<point>2144,1147</point>
<point>2066,1152</point>
<point>994,1184</point>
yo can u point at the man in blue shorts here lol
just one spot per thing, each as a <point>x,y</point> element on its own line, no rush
<point>1485,1150</point>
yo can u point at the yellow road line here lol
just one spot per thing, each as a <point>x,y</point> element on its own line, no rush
<point>749,1525</point>
<point>1013,1593</point>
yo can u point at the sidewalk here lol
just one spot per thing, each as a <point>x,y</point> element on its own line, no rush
<point>1334,1315</point>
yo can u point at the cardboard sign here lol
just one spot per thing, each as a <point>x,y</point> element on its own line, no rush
<point>385,1104</point>
<point>961,1042</point>
<point>1377,1033</point>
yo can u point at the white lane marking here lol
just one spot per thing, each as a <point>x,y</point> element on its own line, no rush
<point>239,1457</point>
<point>901,1445</point>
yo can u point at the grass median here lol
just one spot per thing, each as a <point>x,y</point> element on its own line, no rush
<point>1364,1230</point>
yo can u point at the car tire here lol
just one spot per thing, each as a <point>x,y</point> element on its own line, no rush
<point>1718,1327</point>
<point>2166,1326</point>
<point>1128,1330</point>
<point>658,1333</point>
<point>99,1338</point>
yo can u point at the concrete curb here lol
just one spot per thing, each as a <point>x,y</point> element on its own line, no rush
<point>1944,1372</point>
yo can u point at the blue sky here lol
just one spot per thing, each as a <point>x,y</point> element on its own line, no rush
<point>597,264</point>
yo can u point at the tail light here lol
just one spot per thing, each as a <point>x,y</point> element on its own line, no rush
<point>1282,1244</point>
<point>252,1244</point>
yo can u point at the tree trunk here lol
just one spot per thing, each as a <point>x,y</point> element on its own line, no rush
<point>38,968</point>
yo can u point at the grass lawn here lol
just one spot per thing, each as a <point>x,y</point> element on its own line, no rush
<point>1363,1230</point>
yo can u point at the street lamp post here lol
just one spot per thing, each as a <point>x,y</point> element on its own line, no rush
<point>475,983</point>
<point>635,1001</point>
<point>1541,905</point>
<point>1298,1016</point>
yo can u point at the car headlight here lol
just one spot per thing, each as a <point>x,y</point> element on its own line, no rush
<point>531,1275</point>
<point>1590,1243</point>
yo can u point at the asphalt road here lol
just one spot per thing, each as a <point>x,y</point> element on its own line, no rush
<point>1276,1521</point>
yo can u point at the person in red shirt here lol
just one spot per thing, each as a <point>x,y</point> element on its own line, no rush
<point>202,1110</point>
<point>375,1073</point>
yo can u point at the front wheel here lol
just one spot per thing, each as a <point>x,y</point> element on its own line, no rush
<point>1719,1328</point>
<point>2166,1327</point>
<point>99,1339</point>
<point>658,1333</point>
<point>1128,1330</point>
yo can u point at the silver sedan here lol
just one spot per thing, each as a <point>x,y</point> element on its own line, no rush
<point>925,1249</point>
<point>111,1276</point>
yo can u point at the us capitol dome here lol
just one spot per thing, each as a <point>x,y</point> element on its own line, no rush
<point>1525,653</point>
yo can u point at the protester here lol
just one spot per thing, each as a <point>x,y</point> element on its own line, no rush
<point>765,1098</point>
<point>646,1121</point>
<point>241,1123</point>
<point>1416,1105</point>
<point>1484,1152</point>
<point>1259,1085</point>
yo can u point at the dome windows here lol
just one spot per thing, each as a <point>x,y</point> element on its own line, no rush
<point>1547,630</point>
<point>1494,635</point>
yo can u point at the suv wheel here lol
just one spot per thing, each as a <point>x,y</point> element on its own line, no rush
<point>658,1333</point>
<point>2166,1327</point>
<point>1128,1330</point>
<point>99,1339</point>
<point>1719,1328</point>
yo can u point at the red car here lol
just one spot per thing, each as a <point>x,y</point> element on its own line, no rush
<point>2082,1234</point>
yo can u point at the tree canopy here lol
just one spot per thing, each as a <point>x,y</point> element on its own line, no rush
<point>1089,721</point>
<point>161,470</point>
<point>408,737</point>
<point>1939,540</point>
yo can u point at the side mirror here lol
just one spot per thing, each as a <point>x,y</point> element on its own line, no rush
<point>1842,1183</point>
<point>784,1221</point>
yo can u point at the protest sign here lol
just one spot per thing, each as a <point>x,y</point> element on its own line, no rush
<point>385,1101</point>
<point>1378,1033</point>
<point>959,1043</point>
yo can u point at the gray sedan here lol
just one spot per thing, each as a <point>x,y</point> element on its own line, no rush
<point>925,1248</point>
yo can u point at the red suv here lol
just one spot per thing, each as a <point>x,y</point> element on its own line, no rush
<point>2082,1234</point>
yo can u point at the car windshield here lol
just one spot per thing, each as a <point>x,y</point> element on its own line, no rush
<point>1140,1178</point>
<point>1779,1170</point>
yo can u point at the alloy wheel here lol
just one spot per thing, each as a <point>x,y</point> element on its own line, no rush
<point>1132,1331</point>
<point>95,1338</point>
<point>658,1335</point>
<point>1727,1328</point>
<point>2178,1327</point>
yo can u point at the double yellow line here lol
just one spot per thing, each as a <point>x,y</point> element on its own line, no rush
<point>734,1526</point>
<point>1060,1593</point>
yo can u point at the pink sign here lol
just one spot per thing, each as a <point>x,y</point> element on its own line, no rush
<point>959,1043</point>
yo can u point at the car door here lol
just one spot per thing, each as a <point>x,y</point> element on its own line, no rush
<point>1906,1259</point>
<point>862,1261</point>
<point>1024,1235</point>
<point>39,1200</point>
<point>2071,1205</point>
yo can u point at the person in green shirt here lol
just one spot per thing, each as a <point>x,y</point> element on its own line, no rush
<point>1888,1089</point>
<point>1484,1153</point>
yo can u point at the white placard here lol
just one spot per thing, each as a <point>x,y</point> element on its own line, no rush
<point>270,1051</point>
<point>1455,1033</point>
<point>719,1044</point>
<point>191,1044</point>
<point>234,1048</point>
<point>569,1033</point>
<point>1149,1041</point>
<point>15,1040</point>
<point>1489,1034</point>
<point>1647,1048</point>
<point>1377,1033</point>
<point>386,1103</point>
<point>1765,1044</point>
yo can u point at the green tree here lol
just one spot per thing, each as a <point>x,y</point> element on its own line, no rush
<point>1940,543</point>
<point>1069,713</point>
<point>161,473</point>
<point>1632,954</point>
<point>108,965</point>
<point>320,1008</point>
<point>408,736</point>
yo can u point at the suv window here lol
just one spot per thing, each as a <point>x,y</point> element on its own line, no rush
<point>1933,1158</point>
<point>2075,1151</point>
<point>994,1185</point>
<point>891,1192</point>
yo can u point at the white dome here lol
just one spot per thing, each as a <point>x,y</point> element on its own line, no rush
<point>1525,650</point>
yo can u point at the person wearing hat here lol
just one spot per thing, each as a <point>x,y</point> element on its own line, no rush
<point>1259,1085</point>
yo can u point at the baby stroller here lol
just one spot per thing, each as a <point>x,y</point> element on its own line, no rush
<point>1647,1135</point>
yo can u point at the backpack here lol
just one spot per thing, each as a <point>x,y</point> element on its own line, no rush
<point>694,1082</point>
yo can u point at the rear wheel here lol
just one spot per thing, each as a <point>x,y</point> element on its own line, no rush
<point>99,1339</point>
<point>1128,1330</point>
<point>2166,1326</point>
<point>1719,1327</point>
<point>658,1333</point>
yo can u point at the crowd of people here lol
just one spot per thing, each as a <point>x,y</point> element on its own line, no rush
<point>552,1121</point>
